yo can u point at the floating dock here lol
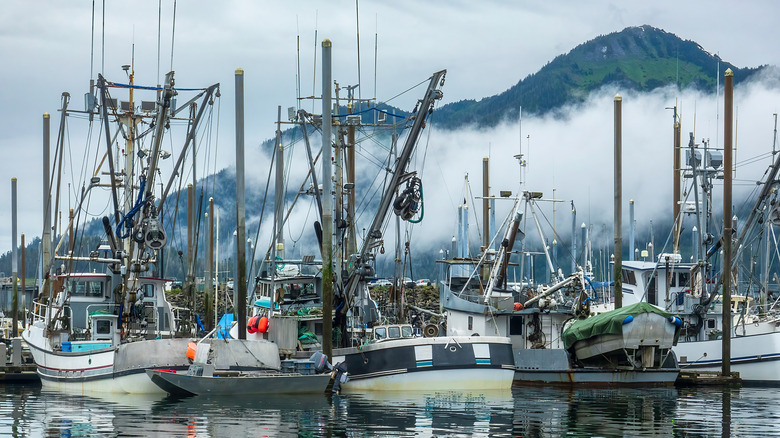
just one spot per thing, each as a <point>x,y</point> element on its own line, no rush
<point>707,378</point>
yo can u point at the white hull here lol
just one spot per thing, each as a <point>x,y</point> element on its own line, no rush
<point>436,380</point>
<point>755,357</point>
<point>114,370</point>
<point>430,364</point>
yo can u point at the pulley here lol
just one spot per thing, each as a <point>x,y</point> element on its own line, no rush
<point>407,204</point>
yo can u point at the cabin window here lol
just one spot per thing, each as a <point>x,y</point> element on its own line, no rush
<point>103,327</point>
<point>87,288</point>
<point>380,332</point>
<point>629,277</point>
<point>471,322</point>
<point>406,331</point>
<point>148,290</point>
<point>683,279</point>
<point>394,332</point>
<point>710,323</point>
<point>318,328</point>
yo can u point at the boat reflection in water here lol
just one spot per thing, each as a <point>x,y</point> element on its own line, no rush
<point>447,413</point>
<point>534,411</point>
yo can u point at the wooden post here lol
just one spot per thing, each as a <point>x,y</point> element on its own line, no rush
<point>239,284</point>
<point>728,168</point>
<point>327,204</point>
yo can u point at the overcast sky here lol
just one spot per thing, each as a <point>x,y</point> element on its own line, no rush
<point>49,46</point>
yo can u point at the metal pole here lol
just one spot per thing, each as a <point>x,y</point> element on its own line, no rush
<point>240,281</point>
<point>190,279</point>
<point>210,266</point>
<point>24,290</point>
<point>351,229</point>
<point>632,230</point>
<point>584,239</point>
<point>573,238</point>
<point>485,202</point>
<point>727,221</point>
<point>46,236</point>
<point>279,189</point>
<point>327,203</point>
<point>676,185</point>
<point>14,255</point>
<point>618,277</point>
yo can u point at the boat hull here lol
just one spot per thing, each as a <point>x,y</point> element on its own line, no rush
<point>553,366</point>
<point>119,369</point>
<point>182,384</point>
<point>755,357</point>
<point>430,364</point>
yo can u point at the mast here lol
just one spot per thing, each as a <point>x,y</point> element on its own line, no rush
<point>279,190</point>
<point>46,234</point>
<point>618,248</point>
<point>728,98</point>
<point>676,185</point>
<point>327,203</point>
<point>240,282</point>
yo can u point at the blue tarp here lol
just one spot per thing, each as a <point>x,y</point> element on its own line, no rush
<point>223,330</point>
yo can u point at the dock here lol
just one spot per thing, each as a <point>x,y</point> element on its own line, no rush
<point>14,366</point>
<point>708,378</point>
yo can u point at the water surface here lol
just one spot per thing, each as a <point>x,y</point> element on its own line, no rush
<point>29,411</point>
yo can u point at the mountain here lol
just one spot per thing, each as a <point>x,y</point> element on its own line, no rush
<point>639,58</point>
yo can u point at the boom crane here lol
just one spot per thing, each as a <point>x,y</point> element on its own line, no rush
<point>356,285</point>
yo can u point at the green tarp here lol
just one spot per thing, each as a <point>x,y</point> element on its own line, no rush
<point>607,323</point>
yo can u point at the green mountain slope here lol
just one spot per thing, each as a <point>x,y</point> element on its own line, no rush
<point>637,58</point>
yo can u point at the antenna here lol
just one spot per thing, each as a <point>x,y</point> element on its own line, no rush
<point>357,33</point>
<point>298,61</point>
<point>376,38</point>
<point>717,107</point>
<point>314,76</point>
<point>173,32</point>
<point>103,43</point>
<point>774,139</point>
<point>159,24</point>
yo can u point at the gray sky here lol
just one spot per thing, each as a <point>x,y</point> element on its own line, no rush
<point>486,47</point>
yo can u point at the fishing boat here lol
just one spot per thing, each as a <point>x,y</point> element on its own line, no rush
<point>693,290</point>
<point>96,331</point>
<point>251,383</point>
<point>310,376</point>
<point>381,351</point>
<point>560,333</point>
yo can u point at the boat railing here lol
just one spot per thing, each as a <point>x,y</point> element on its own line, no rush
<point>40,310</point>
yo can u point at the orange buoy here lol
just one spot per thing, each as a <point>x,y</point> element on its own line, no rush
<point>191,347</point>
<point>251,326</point>
<point>518,306</point>
<point>262,325</point>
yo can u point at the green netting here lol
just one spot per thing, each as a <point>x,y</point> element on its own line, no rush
<point>607,323</point>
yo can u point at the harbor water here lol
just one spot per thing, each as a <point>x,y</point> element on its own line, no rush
<point>29,411</point>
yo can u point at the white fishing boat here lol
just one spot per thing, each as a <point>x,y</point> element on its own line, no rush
<point>694,290</point>
<point>98,331</point>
